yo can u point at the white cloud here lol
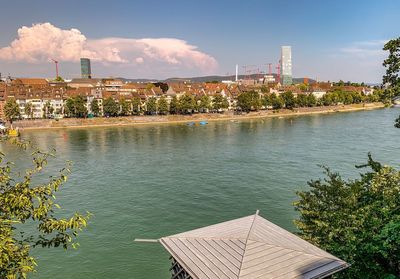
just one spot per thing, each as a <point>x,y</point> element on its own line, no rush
<point>41,42</point>
<point>365,48</point>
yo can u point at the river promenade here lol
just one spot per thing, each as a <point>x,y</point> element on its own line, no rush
<point>176,119</point>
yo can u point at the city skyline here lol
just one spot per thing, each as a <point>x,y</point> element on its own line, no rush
<point>341,40</point>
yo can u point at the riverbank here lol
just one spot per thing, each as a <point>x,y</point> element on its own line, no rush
<point>176,119</point>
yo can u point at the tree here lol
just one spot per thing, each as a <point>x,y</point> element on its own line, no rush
<point>248,101</point>
<point>11,109</point>
<point>174,105</point>
<point>392,65</point>
<point>80,109</point>
<point>124,107</point>
<point>28,216</point>
<point>69,108</point>
<point>136,105</point>
<point>205,103</point>
<point>276,101</point>
<point>311,100</point>
<point>357,220</point>
<point>110,107</point>
<point>217,102</point>
<point>95,108</point>
<point>28,110</point>
<point>186,104</point>
<point>163,105</point>
<point>48,109</point>
<point>289,100</point>
<point>267,100</point>
<point>151,106</point>
<point>302,100</point>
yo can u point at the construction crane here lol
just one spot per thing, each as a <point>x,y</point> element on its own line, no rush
<point>278,71</point>
<point>56,62</point>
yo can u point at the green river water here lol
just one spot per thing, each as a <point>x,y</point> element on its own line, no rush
<point>153,181</point>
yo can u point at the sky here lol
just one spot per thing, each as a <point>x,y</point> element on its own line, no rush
<point>330,40</point>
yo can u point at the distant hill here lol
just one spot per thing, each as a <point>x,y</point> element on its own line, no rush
<point>209,79</point>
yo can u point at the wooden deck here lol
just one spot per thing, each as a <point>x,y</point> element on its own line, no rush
<point>249,247</point>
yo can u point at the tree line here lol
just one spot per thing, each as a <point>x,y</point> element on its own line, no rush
<point>188,104</point>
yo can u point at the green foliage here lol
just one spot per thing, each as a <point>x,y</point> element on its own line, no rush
<point>28,214</point>
<point>289,100</point>
<point>151,106</point>
<point>186,104</point>
<point>392,65</point>
<point>264,89</point>
<point>164,86</point>
<point>311,100</point>
<point>174,105</point>
<point>59,79</point>
<point>356,220</point>
<point>125,107</point>
<point>75,107</point>
<point>11,110</point>
<point>276,101</point>
<point>110,107</point>
<point>302,100</point>
<point>248,101</point>
<point>205,103</point>
<point>48,109</point>
<point>219,102</point>
<point>28,110</point>
<point>163,105</point>
<point>94,106</point>
<point>136,105</point>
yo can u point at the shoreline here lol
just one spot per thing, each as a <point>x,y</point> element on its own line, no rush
<point>75,123</point>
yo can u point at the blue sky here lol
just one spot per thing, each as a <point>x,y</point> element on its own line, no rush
<point>330,40</point>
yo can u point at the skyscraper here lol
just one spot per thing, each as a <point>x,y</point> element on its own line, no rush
<point>86,71</point>
<point>286,65</point>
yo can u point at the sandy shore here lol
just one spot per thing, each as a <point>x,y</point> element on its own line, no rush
<point>176,119</point>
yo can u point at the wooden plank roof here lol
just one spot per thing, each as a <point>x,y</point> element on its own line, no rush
<point>249,247</point>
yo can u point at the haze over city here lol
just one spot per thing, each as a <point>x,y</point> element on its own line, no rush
<point>159,39</point>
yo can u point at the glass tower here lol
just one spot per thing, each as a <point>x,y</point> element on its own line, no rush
<point>86,71</point>
<point>286,65</point>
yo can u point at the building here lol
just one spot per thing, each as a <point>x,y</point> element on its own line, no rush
<point>286,65</point>
<point>86,71</point>
<point>249,247</point>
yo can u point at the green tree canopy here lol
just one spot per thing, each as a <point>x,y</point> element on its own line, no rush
<point>186,104</point>
<point>11,110</point>
<point>289,100</point>
<point>28,110</point>
<point>28,214</point>
<point>48,109</point>
<point>357,220</point>
<point>276,101</point>
<point>163,105</point>
<point>205,103</point>
<point>174,105</point>
<point>311,100</point>
<point>136,105</point>
<point>94,106</point>
<point>151,106</point>
<point>249,100</point>
<point>110,107</point>
<point>125,107</point>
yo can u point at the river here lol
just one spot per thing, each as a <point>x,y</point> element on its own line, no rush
<point>153,181</point>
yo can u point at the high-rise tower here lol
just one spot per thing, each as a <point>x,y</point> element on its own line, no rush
<point>286,65</point>
<point>86,71</point>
